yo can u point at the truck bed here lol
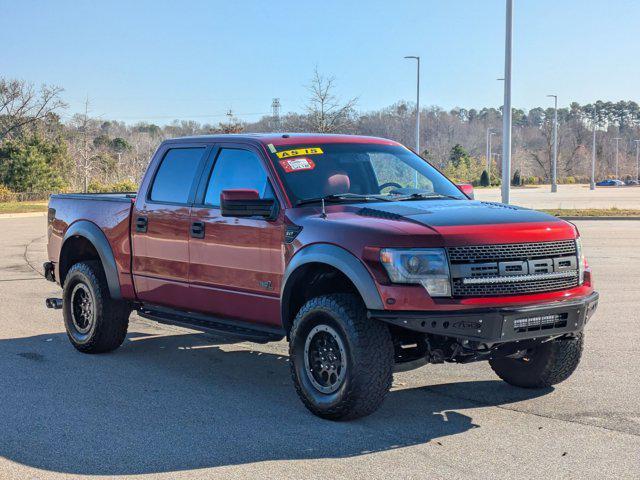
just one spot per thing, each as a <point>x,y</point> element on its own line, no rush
<point>109,212</point>
<point>109,197</point>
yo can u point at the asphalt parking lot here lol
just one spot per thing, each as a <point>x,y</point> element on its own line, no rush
<point>172,403</point>
<point>567,196</point>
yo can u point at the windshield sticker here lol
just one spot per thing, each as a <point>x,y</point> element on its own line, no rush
<point>299,151</point>
<point>297,164</point>
<point>271,148</point>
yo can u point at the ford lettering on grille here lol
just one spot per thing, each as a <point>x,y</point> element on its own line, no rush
<point>487,270</point>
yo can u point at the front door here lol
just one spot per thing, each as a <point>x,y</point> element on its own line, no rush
<point>236,263</point>
<point>160,227</point>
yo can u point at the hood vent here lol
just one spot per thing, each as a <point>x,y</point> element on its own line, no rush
<point>500,205</point>
<point>372,212</point>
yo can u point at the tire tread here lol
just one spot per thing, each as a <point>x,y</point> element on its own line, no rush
<point>557,360</point>
<point>112,316</point>
<point>372,375</point>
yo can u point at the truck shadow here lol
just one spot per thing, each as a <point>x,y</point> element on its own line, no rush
<point>182,402</point>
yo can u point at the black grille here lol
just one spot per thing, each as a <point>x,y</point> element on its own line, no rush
<point>515,288</point>
<point>513,251</point>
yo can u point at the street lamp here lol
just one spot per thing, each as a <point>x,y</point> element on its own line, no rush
<point>417,58</point>
<point>506,109</point>
<point>617,139</point>
<point>637,160</point>
<point>554,172</point>
<point>592,185</point>
<point>488,156</point>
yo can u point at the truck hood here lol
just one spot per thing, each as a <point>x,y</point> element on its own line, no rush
<point>461,222</point>
<point>440,222</point>
<point>447,213</point>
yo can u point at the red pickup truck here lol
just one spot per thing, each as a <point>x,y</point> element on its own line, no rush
<point>356,250</point>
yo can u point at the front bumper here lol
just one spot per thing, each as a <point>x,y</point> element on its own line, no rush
<point>498,325</point>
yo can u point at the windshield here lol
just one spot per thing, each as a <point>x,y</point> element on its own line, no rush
<point>350,170</point>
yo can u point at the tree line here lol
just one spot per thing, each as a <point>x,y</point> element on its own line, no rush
<point>39,152</point>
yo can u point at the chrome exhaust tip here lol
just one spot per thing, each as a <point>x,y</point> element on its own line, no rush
<point>55,303</point>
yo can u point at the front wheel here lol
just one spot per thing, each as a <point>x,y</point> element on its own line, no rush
<point>546,365</point>
<point>95,323</point>
<point>341,361</point>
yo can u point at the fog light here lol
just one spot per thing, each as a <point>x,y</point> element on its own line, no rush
<point>532,322</point>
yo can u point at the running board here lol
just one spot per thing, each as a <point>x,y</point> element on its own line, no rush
<point>204,323</point>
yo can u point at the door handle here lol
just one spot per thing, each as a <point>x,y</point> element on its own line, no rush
<point>197,229</point>
<point>141,224</point>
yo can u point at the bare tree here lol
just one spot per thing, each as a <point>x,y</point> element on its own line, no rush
<point>325,112</point>
<point>21,105</point>
<point>83,146</point>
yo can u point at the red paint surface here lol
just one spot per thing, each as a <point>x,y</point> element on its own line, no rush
<point>228,272</point>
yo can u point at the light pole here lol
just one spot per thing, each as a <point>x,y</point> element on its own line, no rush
<point>488,156</point>
<point>417,58</point>
<point>617,139</point>
<point>506,109</point>
<point>592,185</point>
<point>554,170</point>
<point>637,160</point>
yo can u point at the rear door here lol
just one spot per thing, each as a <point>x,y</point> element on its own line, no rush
<point>161,223</point>
<point>237,264</point>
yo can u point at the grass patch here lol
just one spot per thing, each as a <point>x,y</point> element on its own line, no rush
<point>593,212</point>
<point>23,207</point>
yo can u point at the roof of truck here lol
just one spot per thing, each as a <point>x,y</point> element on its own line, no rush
<point>286,138</point>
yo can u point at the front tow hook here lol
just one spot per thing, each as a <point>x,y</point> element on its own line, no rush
<point>55,303</point>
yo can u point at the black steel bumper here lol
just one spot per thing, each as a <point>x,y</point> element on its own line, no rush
<point>498,325</point>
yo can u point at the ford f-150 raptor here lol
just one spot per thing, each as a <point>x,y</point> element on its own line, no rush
<point>360,253</point>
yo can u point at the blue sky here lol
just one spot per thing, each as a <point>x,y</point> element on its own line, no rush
<point>160,60</point>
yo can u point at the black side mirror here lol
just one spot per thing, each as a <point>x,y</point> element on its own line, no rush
<point>246,203</point>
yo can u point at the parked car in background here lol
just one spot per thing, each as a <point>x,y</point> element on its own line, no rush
<point>610,183</point>
<point>631,182</point>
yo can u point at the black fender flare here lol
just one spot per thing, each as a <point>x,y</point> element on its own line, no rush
<point>340,259</point>
<point>90,231</point>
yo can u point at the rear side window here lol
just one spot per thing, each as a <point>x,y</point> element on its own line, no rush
<point>236,168</point>
<point>175,176</point>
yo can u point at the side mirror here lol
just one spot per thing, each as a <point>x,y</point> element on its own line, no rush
<point>246,203</point>
<point>467,189</point>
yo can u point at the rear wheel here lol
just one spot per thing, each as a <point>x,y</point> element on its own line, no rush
<point>95,323</point>
<point>341,361</point>
<point>548,364</point>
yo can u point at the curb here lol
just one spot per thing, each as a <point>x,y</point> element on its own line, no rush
<point>23,215</point>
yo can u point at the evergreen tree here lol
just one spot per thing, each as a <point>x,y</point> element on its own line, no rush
<point>485,181</point>
<point>516,181</point>
<point>33,164</point>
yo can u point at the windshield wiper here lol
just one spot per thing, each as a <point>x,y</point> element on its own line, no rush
<point>344,196</point>
<point>426,196</point>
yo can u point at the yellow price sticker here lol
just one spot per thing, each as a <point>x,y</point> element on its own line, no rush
<point>299,151</point>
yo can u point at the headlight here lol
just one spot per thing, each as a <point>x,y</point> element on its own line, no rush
<point>581,261</point>
<point>426,266</point>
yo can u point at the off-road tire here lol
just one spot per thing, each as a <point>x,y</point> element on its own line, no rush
<point>369,357</point>
<point>109,319</point>
<point>550,363</point>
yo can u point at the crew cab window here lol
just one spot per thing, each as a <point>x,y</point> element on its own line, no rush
<point>175,176</point>
<point>235,168</point>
